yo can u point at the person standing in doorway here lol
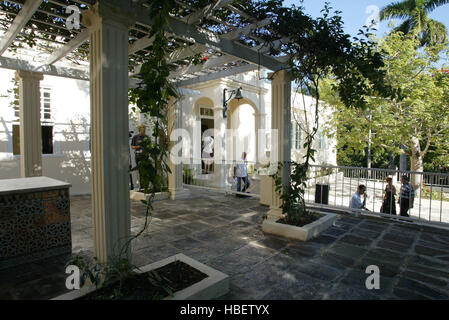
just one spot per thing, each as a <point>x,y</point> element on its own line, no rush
<point>138,144</point>
<point>241,172</point>
<point>406,196</point>
<point>208,153</point>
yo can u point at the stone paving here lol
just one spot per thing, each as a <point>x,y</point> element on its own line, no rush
<point>224,232</point>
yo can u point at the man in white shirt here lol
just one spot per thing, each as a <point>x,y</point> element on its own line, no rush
<point>356,200</point>
<point>208,153</point>
<point>241,172</point>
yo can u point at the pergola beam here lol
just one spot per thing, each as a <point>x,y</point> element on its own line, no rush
<point>25,14</point>
<point>211,40</point>
<point>211,63</point>
<point>205,12</point>
<point>237,33</point>
<point>73,44</point>
<point>186,52</point>
<point>218,75</point>
<point>16,64</point>
<point>140,44</point>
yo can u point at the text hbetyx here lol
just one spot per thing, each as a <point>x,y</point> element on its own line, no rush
<point>234,309</point>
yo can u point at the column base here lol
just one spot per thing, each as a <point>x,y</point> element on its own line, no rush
<point>275,213</point>
<point>179,194</point>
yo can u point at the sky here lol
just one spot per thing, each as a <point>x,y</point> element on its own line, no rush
<point>356,13</point>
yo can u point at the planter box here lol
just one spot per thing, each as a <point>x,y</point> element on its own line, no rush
<point>304,233</point>
<point>158,196</point>
<point>214,286</point>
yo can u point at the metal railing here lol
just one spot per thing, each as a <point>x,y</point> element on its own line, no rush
<point>219,176</point>
<point>431,202</point>
<point>333,187</point>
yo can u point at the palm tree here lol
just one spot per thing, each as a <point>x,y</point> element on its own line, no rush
<point>416,15</point>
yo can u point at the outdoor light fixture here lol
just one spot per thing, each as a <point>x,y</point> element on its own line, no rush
<point>238,96</point>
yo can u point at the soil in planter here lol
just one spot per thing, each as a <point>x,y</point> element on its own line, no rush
<point>176,276</point>
<point>303,220</point>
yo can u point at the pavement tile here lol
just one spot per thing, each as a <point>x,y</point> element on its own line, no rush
<point>355,240</point>
<point>274,243</point>
<point>400,238</point>
<point>215,221</point>
<point>208,235</point>
<point>386,256</point>
<point>365,233</point>
<point>196,226</point>
<point>334,231</point>
<point>302,249</point>
<point>393,246</point>
<point>356,279</point>
<point>389,270</point>
<point>435,273</point>
<point>278,293</point>
<point>347,250</point>
<point>421,289</point>
<point>424,278</point>
<point>255,250</point>
<point>334,260</point>
<point>435,245</point>
<point>233,263</point>
<point>225,233</point>
<point>435,238</point>
<point>429,251</point>
<point>344,292</point>
<point>349,220</point>
<point>316,271</point>
<point>428,262</point>
<point>405,294</point>
<point>323,239</point>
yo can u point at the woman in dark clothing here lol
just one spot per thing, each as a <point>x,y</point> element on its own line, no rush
<point>389,203</point>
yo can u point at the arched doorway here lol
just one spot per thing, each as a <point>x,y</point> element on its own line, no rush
<point>242,122</point>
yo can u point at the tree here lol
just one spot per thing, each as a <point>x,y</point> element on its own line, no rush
<point>418,120</point>
<point>416,15</point>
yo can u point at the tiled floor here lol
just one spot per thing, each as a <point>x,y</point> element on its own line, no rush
<point>224,232</point>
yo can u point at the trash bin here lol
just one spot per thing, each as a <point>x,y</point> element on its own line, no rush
<point>322,193</point>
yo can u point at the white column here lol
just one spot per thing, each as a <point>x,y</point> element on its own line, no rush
<point>30,123</point>
<point>108,28</point>
<point>260,125</point>
<point>280,121</point>
<point>220,172</point>
<point>175,184</point>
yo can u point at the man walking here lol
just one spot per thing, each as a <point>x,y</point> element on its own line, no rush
<point>241,172</point>
<point>406,196</point>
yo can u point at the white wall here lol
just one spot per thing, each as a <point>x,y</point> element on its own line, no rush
<point>70,116</point>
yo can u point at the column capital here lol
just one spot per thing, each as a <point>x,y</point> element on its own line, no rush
<point>280,76</point>
<point>28,75</point>
<point>103,11</point>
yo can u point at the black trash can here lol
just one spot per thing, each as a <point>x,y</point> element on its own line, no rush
<point>322,193</point>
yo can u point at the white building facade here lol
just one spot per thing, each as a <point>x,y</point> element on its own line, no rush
<point>65,121</point>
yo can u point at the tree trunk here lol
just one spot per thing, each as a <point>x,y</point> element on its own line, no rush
<point>417,163</point>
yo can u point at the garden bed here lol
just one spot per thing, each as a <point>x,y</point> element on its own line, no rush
<point>310,227</point>
<point>188,279</point>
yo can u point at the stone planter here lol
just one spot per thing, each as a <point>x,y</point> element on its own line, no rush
<point>304,233</point>
<point>214,286</point>
<point>158,196</point>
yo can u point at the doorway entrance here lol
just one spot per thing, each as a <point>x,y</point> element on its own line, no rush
<point>207,140</point>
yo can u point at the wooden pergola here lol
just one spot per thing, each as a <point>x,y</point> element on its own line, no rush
<point>108,48</point>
